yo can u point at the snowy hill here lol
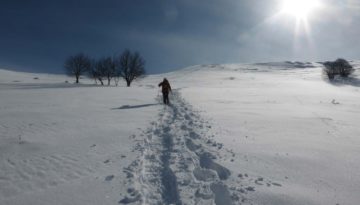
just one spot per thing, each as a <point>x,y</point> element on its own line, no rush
<point>267,133</point>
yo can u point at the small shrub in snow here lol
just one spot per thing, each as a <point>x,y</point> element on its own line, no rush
<point>339,67</point>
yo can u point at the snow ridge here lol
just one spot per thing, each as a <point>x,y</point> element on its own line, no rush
<point>177,165</point>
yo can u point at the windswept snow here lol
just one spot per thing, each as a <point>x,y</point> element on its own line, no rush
<point>268,133</point>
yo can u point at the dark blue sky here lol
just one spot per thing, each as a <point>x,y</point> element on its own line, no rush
<point>171,34</point>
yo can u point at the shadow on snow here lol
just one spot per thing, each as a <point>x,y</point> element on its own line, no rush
<point>125,107</point>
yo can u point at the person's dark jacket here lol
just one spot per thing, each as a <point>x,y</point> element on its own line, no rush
<point>166,88</point>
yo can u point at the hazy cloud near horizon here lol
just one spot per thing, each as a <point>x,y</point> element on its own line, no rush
<point>171,34</point>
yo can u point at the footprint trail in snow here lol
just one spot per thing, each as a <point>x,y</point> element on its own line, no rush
<point>177,166</point>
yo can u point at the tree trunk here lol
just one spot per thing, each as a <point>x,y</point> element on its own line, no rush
<point>128,82</point>
<point>109,82</point>
<point>77,79</point>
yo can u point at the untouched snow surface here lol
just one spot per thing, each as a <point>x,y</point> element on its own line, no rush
<point>275,133</point>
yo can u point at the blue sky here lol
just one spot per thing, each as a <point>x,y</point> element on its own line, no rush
<point>172,34</point>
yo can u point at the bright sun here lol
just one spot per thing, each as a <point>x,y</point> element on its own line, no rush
<point>299,8</point>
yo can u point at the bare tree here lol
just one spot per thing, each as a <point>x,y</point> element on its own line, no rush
<point>109,68</point>
<point>96,72</point>
<point>77,65</point>
<point>92,71</point>
<point>103,69</point>
<point>130,66</point>
<point>339,67</point>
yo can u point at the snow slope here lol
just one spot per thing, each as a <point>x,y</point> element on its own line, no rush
<point>270,133</point>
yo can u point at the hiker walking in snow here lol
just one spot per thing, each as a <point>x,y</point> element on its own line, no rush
<point>166,88</point>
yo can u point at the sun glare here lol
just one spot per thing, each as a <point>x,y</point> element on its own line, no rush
<point>301,9</point>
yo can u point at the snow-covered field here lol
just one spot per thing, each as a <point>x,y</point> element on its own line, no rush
<point>275,133</point>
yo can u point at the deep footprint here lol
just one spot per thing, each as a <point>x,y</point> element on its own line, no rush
<point>128,200</point>
<point>222,194</point>
<point>191,146</point>
<point>204,174</point>
<point>208,163</point>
